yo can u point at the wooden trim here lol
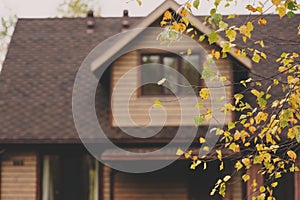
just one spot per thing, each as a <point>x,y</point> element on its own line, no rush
<point>38,176</point>
<point>100,181</point>
<point>111,184</point>
<point>139,78</point>
<point>111,119</point>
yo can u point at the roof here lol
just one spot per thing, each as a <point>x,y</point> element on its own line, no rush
<point>152,17</point>
<point>43,58</point>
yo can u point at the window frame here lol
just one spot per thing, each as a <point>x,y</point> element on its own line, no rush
<point>97,193</point>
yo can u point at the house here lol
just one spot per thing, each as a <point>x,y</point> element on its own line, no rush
<point>42,155</point>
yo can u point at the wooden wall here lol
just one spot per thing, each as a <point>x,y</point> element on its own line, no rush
<point>19,176</point>
<point>141,106</point>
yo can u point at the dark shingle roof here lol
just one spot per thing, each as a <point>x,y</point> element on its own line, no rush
<point>43,58</point>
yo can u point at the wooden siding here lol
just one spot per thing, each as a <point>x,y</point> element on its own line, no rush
<point>297,182</point>
<point>253,172</point>
<point>139,107</point>
<point>106,182</point>
<point>19,182</point>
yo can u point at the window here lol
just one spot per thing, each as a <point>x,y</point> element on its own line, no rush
<point>69,177</point>
<point>153,71</point>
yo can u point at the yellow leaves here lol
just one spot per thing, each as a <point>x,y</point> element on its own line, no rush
<point>246,29</point>
<point>194,164</point>
<point>188,5</point>
<point>234,147</point>
<point>276,2</point>
<point>179,152</point>
<point>175,26</point>
<point>221,167</point>
<point>295,55</point>
<point>226,178</point>
<point>281,10</point>
<point>182,27</point>
<point>261,43</point>
<point>262,189</point>
<point>230,125</point>
<point>299,28</point>
<point>184,12</point>
<point>261,116</point>
<point>274,184</point>
<point>292,155</point>
<point>252,129</point>
<point>238,165</point>
<point>246,162</point>
<point>202,140</point>
<point>251,8</point>
<point>255,92</point>
<point>204,93</point>
<point>216,54</point>
<point>222,78</point>
<point>188,154</point>
<point>246,177</point>
<point>157,104</point>
<point>167,15</point>
<point>262,54</point>
<point>219,154</point>
<point>256,57</point>
<point>231,34</point>
<point>294,132</point>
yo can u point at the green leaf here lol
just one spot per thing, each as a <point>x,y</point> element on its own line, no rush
<point>217,17</point>
<point>199,105</point>
<point>231,125</point>
<point>198,120</point>
<point>231,34</point>
<point>213,37</point>
<point>201,38</point>
<point>139,2</point>
<point>290,14</point>
<point>261,102</point>
<point>196,4</point>
<point>207,72</point>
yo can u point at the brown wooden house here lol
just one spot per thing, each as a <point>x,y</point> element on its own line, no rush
<point>41,155</point>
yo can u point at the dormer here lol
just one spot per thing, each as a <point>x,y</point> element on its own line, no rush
<point>144,71</point>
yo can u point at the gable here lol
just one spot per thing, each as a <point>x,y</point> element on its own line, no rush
<point>150,19</point>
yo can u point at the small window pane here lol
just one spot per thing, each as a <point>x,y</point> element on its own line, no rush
<point>171,86</point>
<point>151,73</point>
<point>191,73</point>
